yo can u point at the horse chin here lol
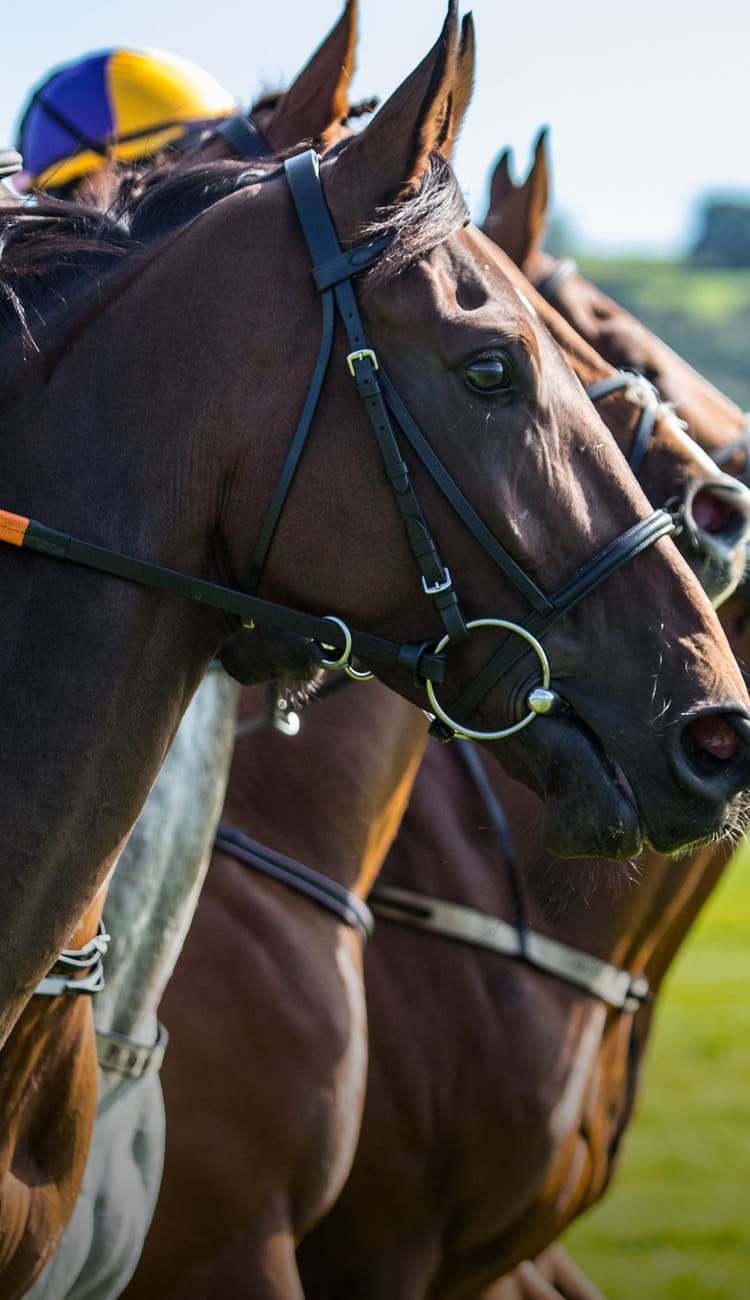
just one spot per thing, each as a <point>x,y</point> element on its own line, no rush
<point>589,806</point>
<point>262,654</point>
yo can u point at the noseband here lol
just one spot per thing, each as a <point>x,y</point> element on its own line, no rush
<point>333,271</point>
<point>641,392</point>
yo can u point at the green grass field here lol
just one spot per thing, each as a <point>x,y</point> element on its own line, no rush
<point>704,314</point>
<point>676,1225</point>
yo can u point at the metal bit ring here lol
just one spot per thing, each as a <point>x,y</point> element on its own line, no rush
<point>466,732</point>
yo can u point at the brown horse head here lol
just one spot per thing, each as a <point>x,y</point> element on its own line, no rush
<point>170,357</point>
<point>516,219</point>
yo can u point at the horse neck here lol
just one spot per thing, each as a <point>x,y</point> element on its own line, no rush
<point>155,887</point>
<point>333,796</point>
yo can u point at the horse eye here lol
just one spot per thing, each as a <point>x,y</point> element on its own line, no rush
<point>488,375</point>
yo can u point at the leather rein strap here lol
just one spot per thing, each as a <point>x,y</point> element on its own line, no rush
<point>32,535</point>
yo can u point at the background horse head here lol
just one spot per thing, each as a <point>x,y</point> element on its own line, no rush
<point>516,220</point>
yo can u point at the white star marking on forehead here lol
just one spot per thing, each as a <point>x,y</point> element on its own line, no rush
<point>525,301</point>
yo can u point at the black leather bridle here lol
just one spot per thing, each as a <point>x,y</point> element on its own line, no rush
<point>333,271</point>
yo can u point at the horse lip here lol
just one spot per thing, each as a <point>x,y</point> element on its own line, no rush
<point>590,807</point>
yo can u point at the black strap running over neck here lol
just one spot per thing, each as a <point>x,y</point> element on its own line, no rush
<point>245,137</point>
<point>345,905</point>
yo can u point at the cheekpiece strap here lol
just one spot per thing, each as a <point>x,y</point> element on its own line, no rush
<point>333,270</point>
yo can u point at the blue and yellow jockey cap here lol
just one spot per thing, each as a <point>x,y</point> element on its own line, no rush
<point>115,104</point>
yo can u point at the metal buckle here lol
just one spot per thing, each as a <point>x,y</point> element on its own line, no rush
<point>360,356</point>
<point>467,732</point>
<point>438,586</point>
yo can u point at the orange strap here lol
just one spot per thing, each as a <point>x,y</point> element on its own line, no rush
<point>13,528</point>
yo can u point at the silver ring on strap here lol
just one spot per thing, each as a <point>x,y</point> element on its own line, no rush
<point>358,676</point>
<point>343,658</point>
<point>466,732</point>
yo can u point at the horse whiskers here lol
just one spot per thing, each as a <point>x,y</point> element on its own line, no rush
<point>559,887</point>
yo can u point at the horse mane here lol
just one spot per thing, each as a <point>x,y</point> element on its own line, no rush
<point>55,251</point>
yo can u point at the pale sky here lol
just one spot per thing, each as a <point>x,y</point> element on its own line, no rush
<point>647,100</point>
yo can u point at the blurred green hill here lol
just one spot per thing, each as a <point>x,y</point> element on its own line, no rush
<point>703,313</point>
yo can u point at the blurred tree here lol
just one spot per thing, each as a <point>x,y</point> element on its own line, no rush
<point>723,232</point>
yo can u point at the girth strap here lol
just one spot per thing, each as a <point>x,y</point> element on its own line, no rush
<point>609,983</point>
<point>345,905</point>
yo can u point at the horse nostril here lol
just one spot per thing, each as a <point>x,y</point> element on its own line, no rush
<point>710,753</point>
<point>713,735</point>
<point>713,514</point>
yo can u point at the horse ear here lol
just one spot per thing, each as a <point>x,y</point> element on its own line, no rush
<point>318,100</point>
<point>537,195</point>
<point>388,158</point>
<point>517,214</point>
<point>501,184</point>
<point>463,86</point>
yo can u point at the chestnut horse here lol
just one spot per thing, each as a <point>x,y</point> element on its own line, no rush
<point>252,941</point>
<point>150,903</point>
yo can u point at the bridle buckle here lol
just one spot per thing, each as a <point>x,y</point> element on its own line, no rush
<point>434,588</point>
<point>360,356</point>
